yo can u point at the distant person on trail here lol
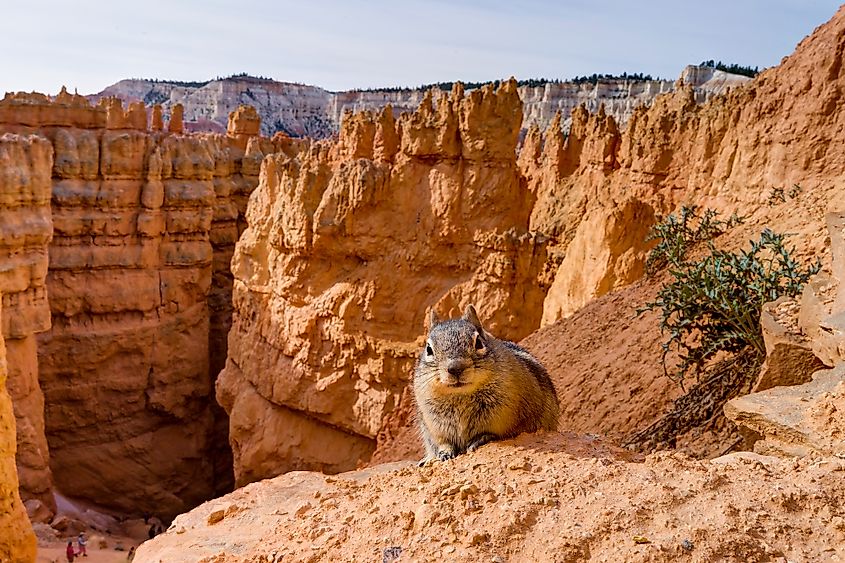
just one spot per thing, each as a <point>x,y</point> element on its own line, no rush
<point>152,532</point>
<point>82,541</point>
<point>70,552</point>
<point>131,555</point>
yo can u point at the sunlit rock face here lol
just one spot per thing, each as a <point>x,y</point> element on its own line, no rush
<point>349,243</point>
<point>134,305</point>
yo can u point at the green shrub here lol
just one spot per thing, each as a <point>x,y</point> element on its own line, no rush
<point>713,305</point>
<point>676,234</point>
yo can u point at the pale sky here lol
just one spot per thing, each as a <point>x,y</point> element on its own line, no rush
<point>344,44</point>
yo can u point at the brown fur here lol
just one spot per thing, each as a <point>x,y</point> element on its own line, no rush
<point>472,388</point>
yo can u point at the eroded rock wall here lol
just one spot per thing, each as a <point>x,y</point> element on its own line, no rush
<point>144,223</point>
<point>25,230</point>
<point>733,153</point>
<point>301,110</point>
<point>348,245</point>
<point>24,234</point>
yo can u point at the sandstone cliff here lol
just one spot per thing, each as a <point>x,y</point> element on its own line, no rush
<point>17,542</point>
<point>731,154</point>
<point>25,231</point>
<point>349,243</point>
<point>302,110</point>
<point>143,227</point>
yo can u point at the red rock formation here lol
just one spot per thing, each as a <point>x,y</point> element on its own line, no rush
<point>730,153</point>
<point>24,183</point>
<point>17,542</point>
<point>309,338</point>
<point>144,227</point>
<point>25,231</point>
<point>348,245</point>
<point>244,124</point>
<point>157,123</point>
<point>176,123</point>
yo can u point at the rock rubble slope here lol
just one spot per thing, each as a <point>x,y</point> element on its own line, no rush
<point>792,419</point>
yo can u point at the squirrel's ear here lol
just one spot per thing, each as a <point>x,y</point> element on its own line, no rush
<point>433,319</point>
<point>472,317</point>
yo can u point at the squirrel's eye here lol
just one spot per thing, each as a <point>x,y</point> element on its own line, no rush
<point>428,351</point>
<point>479,342</point>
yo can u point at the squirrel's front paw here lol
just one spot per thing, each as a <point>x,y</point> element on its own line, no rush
<point>480,441</point>
<point>443,455</point>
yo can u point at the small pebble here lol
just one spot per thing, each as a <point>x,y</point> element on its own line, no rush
<point>215,517</point>
<point>391,554</point>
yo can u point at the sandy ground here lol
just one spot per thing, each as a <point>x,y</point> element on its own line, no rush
<point>56,554</point>
<point>105,532</point>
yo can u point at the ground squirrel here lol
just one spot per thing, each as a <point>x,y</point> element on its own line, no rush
<point>471,388</point>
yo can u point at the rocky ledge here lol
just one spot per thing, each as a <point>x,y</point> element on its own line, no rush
<point>536,498</point>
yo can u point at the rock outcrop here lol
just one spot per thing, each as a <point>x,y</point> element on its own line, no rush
<point>25,230</point>
<point>17,541</point>
<point>143,228</point>
<point>348,245</point>
<point>732,153</point>
<point>300,110</point>
<point>797,412</point>
<point>796,420</point>
<point>537,498</point>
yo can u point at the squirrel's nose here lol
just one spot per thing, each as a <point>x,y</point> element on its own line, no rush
<point>455,368</point>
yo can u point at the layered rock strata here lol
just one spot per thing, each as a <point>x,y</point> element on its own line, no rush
<point>348,245</point>
<point>139,288</point>
<point>19,264</point>
<point>25,231</point>
<point>301,110</point>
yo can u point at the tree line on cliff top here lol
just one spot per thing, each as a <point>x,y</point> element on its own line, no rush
<point>530,82</point>
<point>593,79</point>
<point>732,68</point>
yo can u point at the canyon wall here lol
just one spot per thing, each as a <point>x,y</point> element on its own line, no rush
<point>300,110</point>
<point>25,231</point>
<point>24,196</point>
<point>143,228</point>
<point>619,97</point>
<point>349,244</point>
